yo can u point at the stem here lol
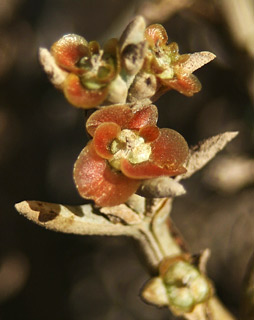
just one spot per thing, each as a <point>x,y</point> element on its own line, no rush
<point>159,242</point>
<point>219,312</point>
<point>160,230</point>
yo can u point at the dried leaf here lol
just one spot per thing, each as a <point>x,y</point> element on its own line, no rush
<point>205,151</point>
<point>161,187</point>
<point>56,75</point>
<point>72,219</point>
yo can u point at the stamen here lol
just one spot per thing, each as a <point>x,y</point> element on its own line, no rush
<point>129,145</point>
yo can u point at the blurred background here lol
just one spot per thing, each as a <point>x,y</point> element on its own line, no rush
<point>47,275</point>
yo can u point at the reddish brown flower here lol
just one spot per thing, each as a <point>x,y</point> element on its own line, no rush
<point>127,147</point>
<point>90,69</point>
<point>167,64</point>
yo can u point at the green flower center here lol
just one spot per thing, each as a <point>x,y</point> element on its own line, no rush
<point>98,69</point>
<point>186,286</point>
<point>129,145</point>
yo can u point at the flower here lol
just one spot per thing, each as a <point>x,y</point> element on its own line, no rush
<point>180,285</point>
<point>90,69</point>
<point>164,61</point>
<point>186,286</point>
<point>127,147</point>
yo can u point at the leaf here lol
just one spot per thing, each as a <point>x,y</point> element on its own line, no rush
<point>161,187</point>
<point>205,151</point>
<point>133,48</point>
<point>72,219</point>
<point>196,61</point>
<point>56,75</point>
<point>133,33</point>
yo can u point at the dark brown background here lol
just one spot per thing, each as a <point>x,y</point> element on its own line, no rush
<point>46,275</point>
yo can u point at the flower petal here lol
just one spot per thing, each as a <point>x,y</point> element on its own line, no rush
<point>144,116</point>
<point>81,97</point>
<point>103,136</point>
<point>96,180</point>
<point>121,115</point>
<point>169,150</point>
<point>124,116</point>
<point>69,50</point>
<point>94,47</point>
<point>156,34</point>
<point>148,170</point>
<point>187,85</point>
<point>149,133</point>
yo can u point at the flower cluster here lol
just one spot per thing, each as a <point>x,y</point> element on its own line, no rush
<point>180,285</point>
<point>125,76</point>
<point>127,147</point>
<point>92,70</point>
<point>164,61</point>
<point>185,285</point>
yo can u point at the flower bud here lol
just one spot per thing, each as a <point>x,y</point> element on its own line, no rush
<point>155,292</point>
<point>185,284</point>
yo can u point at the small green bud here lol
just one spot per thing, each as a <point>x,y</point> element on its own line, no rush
<point>185,284</point>
<point>155,292</point>
<point>180,298</point>
<point>180,273</point>
<point>200,289</point>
